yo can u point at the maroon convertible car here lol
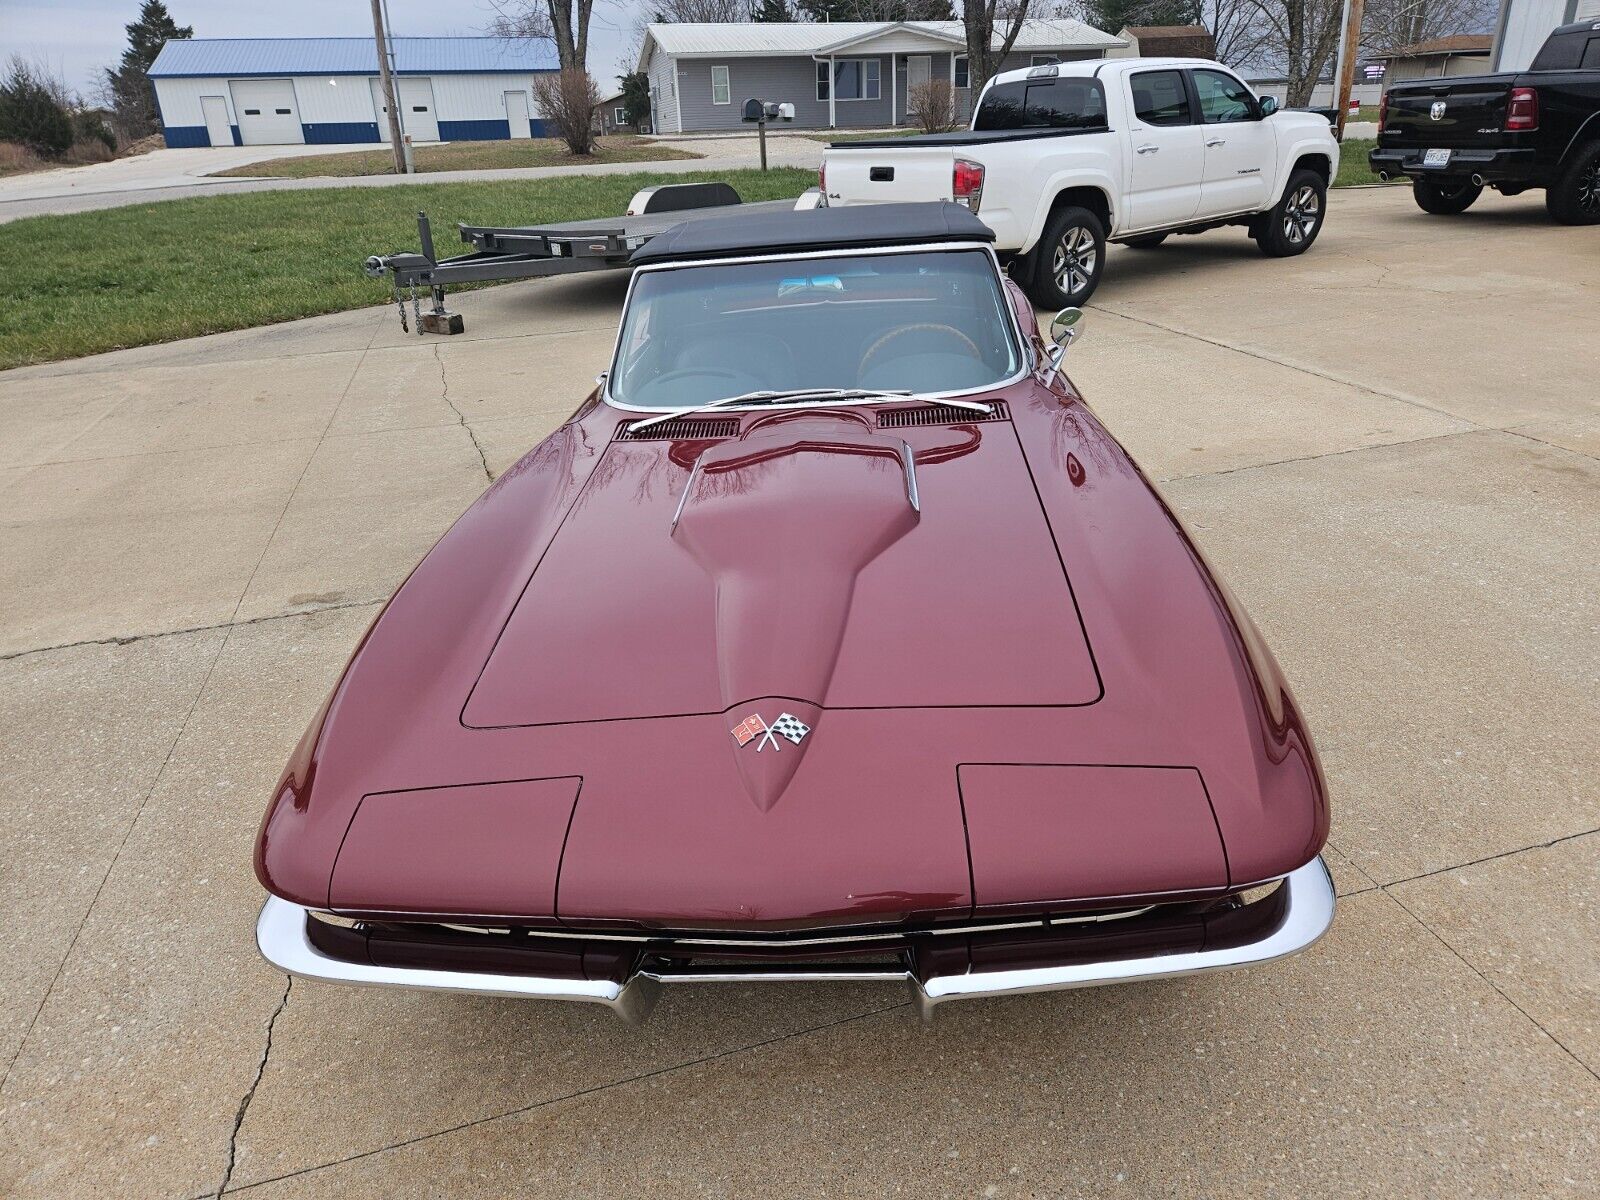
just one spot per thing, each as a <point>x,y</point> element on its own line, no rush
<point>831,638</point>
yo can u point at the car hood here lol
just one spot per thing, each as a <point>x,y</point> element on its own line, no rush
<point>541,723</point>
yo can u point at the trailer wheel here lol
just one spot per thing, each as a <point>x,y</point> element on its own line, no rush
<point>1068,260</point>
<point>1445,199</point>
<point>1574,199</point>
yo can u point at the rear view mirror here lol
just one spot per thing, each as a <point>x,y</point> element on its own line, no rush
<point>1064,326</point>
<point>1268,105</point>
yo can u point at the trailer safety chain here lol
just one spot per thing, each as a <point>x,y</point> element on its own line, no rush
<point>399,302</point>
<point>416,309</point>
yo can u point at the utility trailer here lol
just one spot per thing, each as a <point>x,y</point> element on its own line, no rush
<point>560,248</point>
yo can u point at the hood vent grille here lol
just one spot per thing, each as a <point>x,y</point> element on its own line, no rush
<point>680,429</point>
<point>941,414</point>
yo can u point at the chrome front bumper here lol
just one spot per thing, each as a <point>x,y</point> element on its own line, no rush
<point>1293,916</point>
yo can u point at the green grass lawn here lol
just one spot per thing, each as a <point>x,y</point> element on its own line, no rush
<point>1353,169</point>
<point>96,281</point>
<point>463,156</point>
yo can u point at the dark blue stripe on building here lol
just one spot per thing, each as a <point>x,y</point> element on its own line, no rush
<point>335,133</point>
<point>474,131</point>
<point>184,137</point>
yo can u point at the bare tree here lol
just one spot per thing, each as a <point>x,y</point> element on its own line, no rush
<point>562,23</point>
<point>567,100</point>
<point>933,104</point>
<point>980,18</point>
<point>1391,24</point>
<point>1299,38</point>
<point>1238,30</point>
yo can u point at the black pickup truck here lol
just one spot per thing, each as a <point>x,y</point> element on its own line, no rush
<point>1540,128</point>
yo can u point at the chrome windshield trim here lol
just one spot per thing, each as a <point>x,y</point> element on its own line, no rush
<point>1020,343</point>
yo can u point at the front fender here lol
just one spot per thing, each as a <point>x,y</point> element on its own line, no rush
<point>1294,145</point>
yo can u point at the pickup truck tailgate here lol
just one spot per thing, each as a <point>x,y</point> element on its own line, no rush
<point>1472,115</point>
<point>887,175</point>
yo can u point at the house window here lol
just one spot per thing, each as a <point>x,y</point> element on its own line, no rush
<point>963,74</point>
<point>721,92</point>
<point>853,79</point>
<point>1043,60</point>
<point>619,116</point>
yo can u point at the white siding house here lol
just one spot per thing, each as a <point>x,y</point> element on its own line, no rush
<point>277,91</point>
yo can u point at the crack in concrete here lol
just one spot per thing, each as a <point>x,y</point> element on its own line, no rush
<point>250,1093</point>
<point>580,1094</point>
<point>1306,458</point>
<point>1498,990</point>
<point>461,416</point>
<point>130,639</point>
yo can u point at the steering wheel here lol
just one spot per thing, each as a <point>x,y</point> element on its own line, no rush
<point>684,372</point>
<point>877,346</point>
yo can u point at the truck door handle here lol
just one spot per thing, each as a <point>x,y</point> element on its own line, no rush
<point>1147,148</point>
<point>1217,142</point>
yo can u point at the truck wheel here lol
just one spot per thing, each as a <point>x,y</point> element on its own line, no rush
<point>1574,199</point>
<point>1445,199</point>
<point>1068,259</point>
<point>1292,224</point>
<point>1148,242</point>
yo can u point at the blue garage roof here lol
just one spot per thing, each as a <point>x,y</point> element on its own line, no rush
<point>236,57</point>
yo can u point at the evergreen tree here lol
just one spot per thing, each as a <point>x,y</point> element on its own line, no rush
<point>30,114</point>
<point>636,98</point>
<point>1114,15</point>
<point>132,95</point>
<point>771,11</point>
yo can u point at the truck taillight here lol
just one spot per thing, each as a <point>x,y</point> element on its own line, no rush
<point>822,178</point>
<point>1523,111</point>
<point>966,183</point>
<point>1383,111</point>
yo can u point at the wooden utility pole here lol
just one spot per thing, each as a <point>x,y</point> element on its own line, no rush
<point>388,88</point>
<point>1349,51</point>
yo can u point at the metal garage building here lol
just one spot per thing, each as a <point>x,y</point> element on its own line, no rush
<point>281,91</point>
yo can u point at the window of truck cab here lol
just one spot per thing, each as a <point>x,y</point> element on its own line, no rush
<point>925,320</point>
<point>1223,99</point>
<point>1065,102</point>
<point>1159,97</point>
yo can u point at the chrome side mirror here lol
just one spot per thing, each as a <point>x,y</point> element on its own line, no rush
<point>1065,327</point>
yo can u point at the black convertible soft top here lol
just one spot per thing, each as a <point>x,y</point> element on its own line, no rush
<point>856,227</point>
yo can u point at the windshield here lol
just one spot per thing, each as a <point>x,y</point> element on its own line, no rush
<point>922,321</point>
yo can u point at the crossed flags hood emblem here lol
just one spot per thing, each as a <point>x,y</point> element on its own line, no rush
<point>754,729</point>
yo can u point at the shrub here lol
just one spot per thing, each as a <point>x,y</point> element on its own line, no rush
<point>88,126</point>
<point>567,100</point>
<point>933,104</point>
<point>30,113</point>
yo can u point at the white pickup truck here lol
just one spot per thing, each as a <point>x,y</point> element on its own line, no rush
<point>1063,158</point>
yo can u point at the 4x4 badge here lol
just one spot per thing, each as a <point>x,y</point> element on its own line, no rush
<point>754,729</point>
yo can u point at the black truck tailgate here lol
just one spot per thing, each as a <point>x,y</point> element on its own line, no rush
<point>1465,113</point>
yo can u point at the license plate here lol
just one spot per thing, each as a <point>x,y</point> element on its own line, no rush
<point>1436,158</point>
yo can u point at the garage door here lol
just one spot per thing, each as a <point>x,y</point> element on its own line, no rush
<point>268,115</point>
<point>417,115</point>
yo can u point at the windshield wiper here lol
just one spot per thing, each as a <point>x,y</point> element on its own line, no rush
<point>818,394</point>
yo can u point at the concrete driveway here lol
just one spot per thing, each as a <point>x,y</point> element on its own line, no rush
<point>1388,446</point>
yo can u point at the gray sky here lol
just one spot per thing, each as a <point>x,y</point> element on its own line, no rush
<point>77,37</point>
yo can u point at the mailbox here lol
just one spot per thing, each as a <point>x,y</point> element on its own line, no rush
<point>754,110</point>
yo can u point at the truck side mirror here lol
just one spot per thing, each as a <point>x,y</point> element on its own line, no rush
<point>1267,105</point>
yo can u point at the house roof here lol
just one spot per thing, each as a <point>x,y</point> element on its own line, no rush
<point>748,39</point>
<point>1181,41</point>
<point>864,226</point>
<point>235,57</point>
<point>1461,43</point>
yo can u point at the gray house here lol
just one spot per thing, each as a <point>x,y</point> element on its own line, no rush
<point>844,75</point>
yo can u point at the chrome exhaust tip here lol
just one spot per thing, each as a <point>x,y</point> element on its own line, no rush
<point>1383,177</point>
<point>1477,180</point>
